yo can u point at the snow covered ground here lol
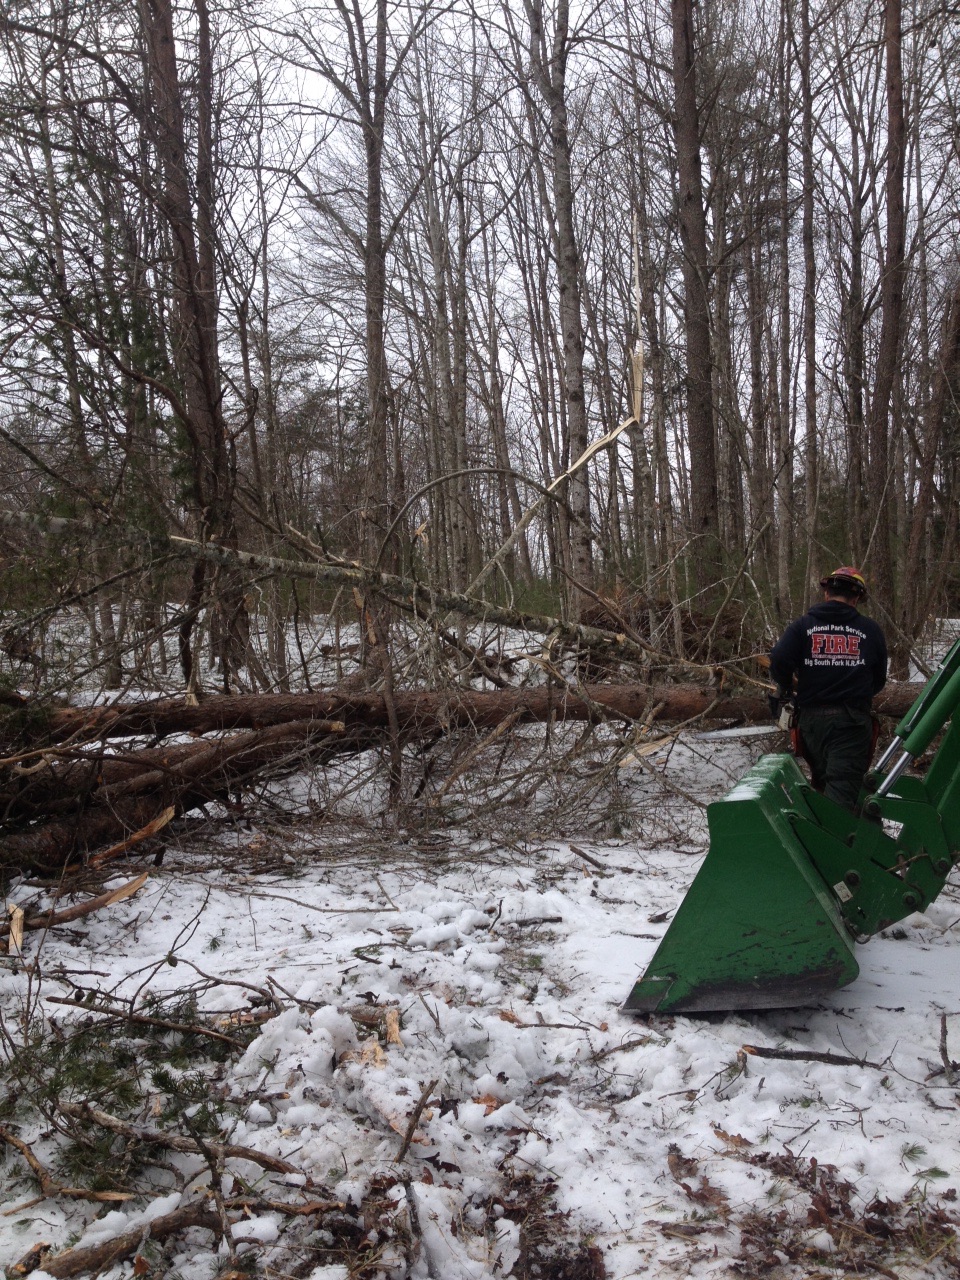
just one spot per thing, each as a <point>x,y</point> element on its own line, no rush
<point>493,973</point>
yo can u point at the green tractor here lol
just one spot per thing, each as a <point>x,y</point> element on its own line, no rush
<point>792,881</point>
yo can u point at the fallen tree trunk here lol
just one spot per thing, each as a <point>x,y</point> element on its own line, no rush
<point>194,774</point>
<point>425,710</point>
<point>56,785</point>
<point>81,801</point>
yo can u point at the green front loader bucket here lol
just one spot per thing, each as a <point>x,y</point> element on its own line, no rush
<point>791,879</point>
<point>759,928</point>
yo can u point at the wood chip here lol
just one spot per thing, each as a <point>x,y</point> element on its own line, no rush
<point>372,1054</point>
<point>393,1027</point>
<point>15,945</point>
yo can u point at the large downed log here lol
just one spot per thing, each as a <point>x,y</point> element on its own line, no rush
<point>124,795</point>
<point>426,711</point>
<point>71,800</point>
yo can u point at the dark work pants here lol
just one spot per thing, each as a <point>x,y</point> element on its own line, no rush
<point>838,744</point>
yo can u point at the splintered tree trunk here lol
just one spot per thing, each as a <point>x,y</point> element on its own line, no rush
<point>701,437</point>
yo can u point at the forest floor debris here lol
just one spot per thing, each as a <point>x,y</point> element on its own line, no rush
<point>327,1057</point>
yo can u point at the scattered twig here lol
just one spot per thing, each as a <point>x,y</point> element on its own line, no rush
<point>803,1055</point>
<point>127,1015</point>
<point>415,1120</point>
<point>623,1048</point>
<point>214,1159</point>
<point>949,1067</point>
<point>507,1015</point>
<point>234,982</point>
<point>309,1005</point>
<point>304,1210</point>
<point>594,862</point>
<point>432,1013</point>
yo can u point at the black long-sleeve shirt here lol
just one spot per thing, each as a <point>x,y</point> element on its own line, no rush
<point>837,655</point>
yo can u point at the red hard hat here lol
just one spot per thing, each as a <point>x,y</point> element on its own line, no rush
<point>846,578</point>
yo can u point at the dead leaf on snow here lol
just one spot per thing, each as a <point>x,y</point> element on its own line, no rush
<point>731,1139</point>
<point>488,1102</point>
<point>680,1165</point>
<point>708,1194</point>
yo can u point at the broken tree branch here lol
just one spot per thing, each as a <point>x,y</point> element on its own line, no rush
<point>50,1186</point>
<point>804,1055</point>
<point>92,1259</point>
<point>81,909</point>
<point>173,1141</point>
<point>142,1019</point>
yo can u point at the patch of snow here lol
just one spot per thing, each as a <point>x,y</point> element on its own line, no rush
<point>507,969</point>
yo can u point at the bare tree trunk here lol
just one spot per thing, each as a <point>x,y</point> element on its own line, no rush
<point>193,249</point>
<point>811,444</point>
<point>891,292</point>
<point>549,66</point>
<point>372,81</point>
<point>696,303</point>
<point>783,442</point>
<point>927,571</point>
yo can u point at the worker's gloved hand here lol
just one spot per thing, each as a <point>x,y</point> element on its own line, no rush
<point>787,718</point>
<point>782,709</point>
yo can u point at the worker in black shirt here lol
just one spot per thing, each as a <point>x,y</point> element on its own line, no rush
<point>839,661</point>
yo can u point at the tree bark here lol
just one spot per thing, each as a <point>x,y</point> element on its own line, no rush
<point>701,435</point>
<point>420,711</point>
<point>549,66</point>
<point>78,804</point>
<point>189,215</point>
<point>811,445</point>
<point>926,579</point>
<point>891,294</point>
